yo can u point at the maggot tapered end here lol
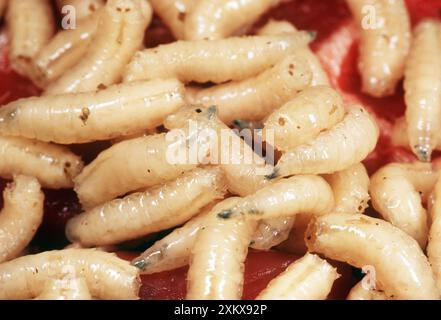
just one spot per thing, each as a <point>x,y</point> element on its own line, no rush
<point>140,264</point>
<point>273,174</point>
<point>423,153</point>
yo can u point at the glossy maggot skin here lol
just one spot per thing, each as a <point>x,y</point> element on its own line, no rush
<point>217,258</point>
<point>20,217</point>
<point>244,169</point>
<point>396,191</point>
<point>359,292</point>
<point>319,75</point>
<point>107,276</point>
<point>309,278</point>
<point>121,26</point>
<point>54,166</point>
<point>302,119</point>
<point>385,40</point>
<point>422,85</point>
<point>173,13</point>
<point>255,98</point>
<point>401,268</point>
<point>271,232</point>
<point>173,251</point>
<point>67,288</point>
<point>31,25</point>
<point>335,149</point>
<point>142,213</point>
<point>127,166</point>
<point>83,8</point>
<point>351,189</point>
<point>121,109</point>
<point>64,51</point>
<point>217,19</point>
<point>434,244</point>
<point>400,137</point>
<point>285,198</point>
<point>218,61</point>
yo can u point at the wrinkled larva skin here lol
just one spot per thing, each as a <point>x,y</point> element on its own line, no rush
<point>397,190</point>
<point>63,51</point>
<point>358,292</point>
<point>401,268</point>
<point>422,85</point>
<point>20,217</point>
<point>285,198</point>
<point>217,258</point>
<point>333,150</point>
<point>173,13</point>
<point>319,75</point>
<point>31,25</point>
<point>105,61</point>
<point>173,251</point>
<point>106,275</point>
<point>54,166</point>
<point>65,289</point>
<point>217,19</point>
<point>68,118</point>
<point>83,8</point>
<point>351,189</point>
<point>255,98</point>
<point>384,43</point>
<point>302,119</point>
<point>244,169</point>
<point>127,166</point>
<point>400,135</point>
<point>309,278</point>
<point>434,245</point>
<point>271,232</point>
<point>139,214</point>
<point>236,58</point>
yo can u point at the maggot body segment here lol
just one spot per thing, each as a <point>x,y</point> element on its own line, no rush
<point>20,217</point>
<point>385,40</point>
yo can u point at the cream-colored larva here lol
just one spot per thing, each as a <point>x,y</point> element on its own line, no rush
<point>120,33</point>
<point>217,258</point>
<point>359,292</point>
<point>218,61</point>
<point>434,244</point>
<point>127,166</point>
<point>217,144</point>
<point>333,150</point>
<point>217,19</point>
<point>400,138</point>
<point>65,288</point>
<point>285,198</point>
<point>64,51</point>
<point>319,76</point>
<point>384,44</point>
<point>396,190</point>
<point>106,275</point>
<point>54,166</point>
<point>309,278</point>
<point>256,97</point>
<point>401,268</point>
<point>31,25</point>
<point>351,189</point>
<point>173,251</point>
<point>68,118</point>
<point>83,8</point>
<point>21,216</point>
<point>173,13</point>
<point>422,85</point>
<point>271,232</point>
<point>302,119</point>
<point>142,213</point>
